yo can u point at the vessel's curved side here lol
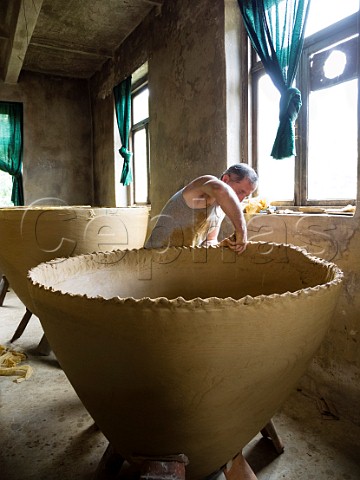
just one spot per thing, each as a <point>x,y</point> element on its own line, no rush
<point>31,235</point>
<point>198,376</point>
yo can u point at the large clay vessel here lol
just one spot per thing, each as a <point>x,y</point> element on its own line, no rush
<point>185,351</point>
<point>31,235</point>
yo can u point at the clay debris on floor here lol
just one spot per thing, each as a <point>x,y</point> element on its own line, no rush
<point>9,364</point>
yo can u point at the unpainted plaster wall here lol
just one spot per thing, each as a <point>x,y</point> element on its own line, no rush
<point>104,152</point>
<point>57,162</point>
<point>188,97</point>
<point>233,81</point>
<point>185,50</point>
<point>131,55</point>
<point>335,371</point>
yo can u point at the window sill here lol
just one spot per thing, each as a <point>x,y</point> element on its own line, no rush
<point>348,211</point>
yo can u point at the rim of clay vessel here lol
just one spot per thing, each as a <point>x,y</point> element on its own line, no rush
<point>79,264</point>
<point>68,207</point>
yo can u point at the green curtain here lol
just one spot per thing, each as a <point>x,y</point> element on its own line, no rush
<point>11,146</point>
<point>122,96</point>
<point>276,29</point>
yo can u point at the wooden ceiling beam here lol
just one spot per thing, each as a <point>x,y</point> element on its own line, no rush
<point>24,17</point>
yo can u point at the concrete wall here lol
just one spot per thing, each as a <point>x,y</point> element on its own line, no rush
<point>187,97</point>
<point>104,152</point>
<point>334,374</point>
<point>233,81</point>
<point>130,56</point>
<point>185,50</point>
<point>57,159</point>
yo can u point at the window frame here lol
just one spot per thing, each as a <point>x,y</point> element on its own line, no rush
<point>137,88</point>
<point>7,180</point>
<point>322,39</point>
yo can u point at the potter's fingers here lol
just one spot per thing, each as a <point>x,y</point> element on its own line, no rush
<point>240,247</point>
<point>227,243</point>
<point>236,247</point>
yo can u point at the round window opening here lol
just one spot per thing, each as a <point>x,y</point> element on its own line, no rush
<point>335,64</point>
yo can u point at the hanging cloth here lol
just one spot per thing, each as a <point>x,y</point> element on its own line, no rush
<point>11,146</point>
<point>122,96</point>
<point>276,30</point>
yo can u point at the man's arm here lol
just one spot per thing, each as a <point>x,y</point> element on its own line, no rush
<point>208,189</point>
<point>212,237</point>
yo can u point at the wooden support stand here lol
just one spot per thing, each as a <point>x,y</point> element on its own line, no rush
<point>269,431</point>
<point>44,347</point>
<point>173,467</point>
<point>109,466</point>
<point>4,285</point>
<point>22,325</point>
<point>238,469</point>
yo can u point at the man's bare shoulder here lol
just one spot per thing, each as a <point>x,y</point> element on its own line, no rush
<point>200,190</point>
<point>200,181</point>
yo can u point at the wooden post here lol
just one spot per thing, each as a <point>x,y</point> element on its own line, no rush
<point>269,431</point>
<point>22,325</point>
<point>238,469</point>
<point>109,466</point>
<point>4,285</point>
<point>44,347</point>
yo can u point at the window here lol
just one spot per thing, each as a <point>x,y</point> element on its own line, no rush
<point>324,172</point>
<point>137,193</point>
<point>5,178</point>
<point>140,144</point>
<point>5,126</point>
<point>5,189</point>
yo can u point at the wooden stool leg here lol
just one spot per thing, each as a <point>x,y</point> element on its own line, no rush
<point>22,325</point>
<point>239,469</point>
<point>269,431</point>
<point>109,466</point>
<point>4,285</point>
<point>44,347</point>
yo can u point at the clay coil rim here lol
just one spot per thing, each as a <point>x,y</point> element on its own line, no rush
<point>65,207</point>
<point>179,301</point>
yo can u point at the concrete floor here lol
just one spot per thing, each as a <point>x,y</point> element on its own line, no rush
<point>46,434</point>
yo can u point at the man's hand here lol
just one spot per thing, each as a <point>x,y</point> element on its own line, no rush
<point>237,242</point>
